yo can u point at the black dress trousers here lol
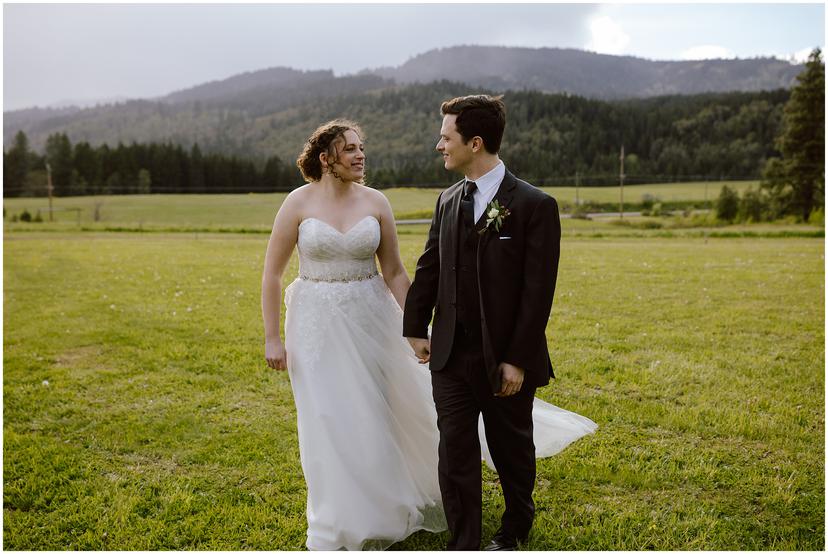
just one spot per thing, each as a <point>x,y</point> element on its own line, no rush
<point>461,393</point>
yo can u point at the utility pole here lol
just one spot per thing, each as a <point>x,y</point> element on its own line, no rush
<point>621,181</point>
<point>49,188</point>
<point>577,182</point>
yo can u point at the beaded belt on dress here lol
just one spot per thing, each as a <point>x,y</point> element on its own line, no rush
<point>342,280</point>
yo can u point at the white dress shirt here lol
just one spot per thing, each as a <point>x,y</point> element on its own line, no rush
<point>487,186</point>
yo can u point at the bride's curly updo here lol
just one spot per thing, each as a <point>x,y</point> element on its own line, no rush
<point>324,139</point>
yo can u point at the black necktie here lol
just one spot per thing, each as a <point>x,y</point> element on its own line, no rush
<point>467,203</point>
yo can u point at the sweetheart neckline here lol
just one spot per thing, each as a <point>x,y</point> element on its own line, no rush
<point>351,228</point>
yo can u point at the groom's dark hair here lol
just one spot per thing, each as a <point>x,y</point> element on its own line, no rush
<point>479,115</point>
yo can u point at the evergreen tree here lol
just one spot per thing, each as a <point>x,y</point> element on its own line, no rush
<point>275,176</point>
<point>196,169</point>
<point>16,166</point>
<point>144,182</point>
<point>59,157</point>
<point>796,181</point>
<point>87,163</point>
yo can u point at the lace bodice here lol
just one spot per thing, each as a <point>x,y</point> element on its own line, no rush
<point>325,254</point>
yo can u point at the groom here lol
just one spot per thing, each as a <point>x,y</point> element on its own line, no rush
<point>488,274</point>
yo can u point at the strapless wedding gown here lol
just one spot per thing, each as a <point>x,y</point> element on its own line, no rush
<point>365,415</point>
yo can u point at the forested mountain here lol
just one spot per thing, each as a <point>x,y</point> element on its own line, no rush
<point>271,79</point>
<point>590,74</point>
<point>549,137</point>
<point>263,117</point>
<point>34,120</point>
<point>269,91</point>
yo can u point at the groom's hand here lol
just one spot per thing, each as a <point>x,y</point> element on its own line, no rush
<point>422,348</point>
<point>511,379</point>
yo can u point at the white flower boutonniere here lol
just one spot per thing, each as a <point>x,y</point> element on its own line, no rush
<point>495,214</point>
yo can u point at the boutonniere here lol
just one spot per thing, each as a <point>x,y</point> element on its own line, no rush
<point>495,215</point>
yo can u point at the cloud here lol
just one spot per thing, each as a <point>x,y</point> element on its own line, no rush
<point>707,52</point>
<point>800,56</point>
<point>607,36</point>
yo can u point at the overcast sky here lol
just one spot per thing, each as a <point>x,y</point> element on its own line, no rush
<point>81,52</point>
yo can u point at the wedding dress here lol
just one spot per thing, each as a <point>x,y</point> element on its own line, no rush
<point>365,415</point>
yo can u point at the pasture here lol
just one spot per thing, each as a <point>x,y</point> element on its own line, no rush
<point>139,414</point>
<point>255,212</point>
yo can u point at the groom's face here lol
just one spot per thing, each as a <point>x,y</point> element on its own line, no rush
<point>457,156</point>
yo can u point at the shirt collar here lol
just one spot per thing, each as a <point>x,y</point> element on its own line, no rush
<point>485,183</point>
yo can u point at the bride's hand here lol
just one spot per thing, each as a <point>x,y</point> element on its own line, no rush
<point>422,348</point>
<point>276,355</point>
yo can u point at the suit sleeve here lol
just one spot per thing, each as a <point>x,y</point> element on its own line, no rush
<point>540,273</point>
<point>422,295</point>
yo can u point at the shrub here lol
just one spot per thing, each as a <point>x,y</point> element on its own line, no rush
<point>580,211</point>
<point>752,206</point>
<point>38,218</point>
<point>657,210</point>
<point>696,220</point>
<point>25,216</point>
<point>727,205</point>
<point>646,224</point>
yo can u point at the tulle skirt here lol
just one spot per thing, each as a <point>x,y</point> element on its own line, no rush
<point>366,419</point>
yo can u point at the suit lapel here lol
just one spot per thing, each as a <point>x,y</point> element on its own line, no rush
<point>452,212</point>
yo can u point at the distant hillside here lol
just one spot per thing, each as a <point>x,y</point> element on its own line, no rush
<point>264,114</point>
<point>273,78</point>
<point>222,117</point>
<point>255,104</point>
<point>589,74</point>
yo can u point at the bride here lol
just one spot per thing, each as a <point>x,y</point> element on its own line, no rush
<point>365,415</point>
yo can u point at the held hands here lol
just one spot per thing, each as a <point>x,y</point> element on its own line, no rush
<point>511,379</point>
<point>276,355</point>
<point>422,348</point>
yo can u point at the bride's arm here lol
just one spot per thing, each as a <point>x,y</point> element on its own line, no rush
<point>279,248</point>
<point>388,253</point>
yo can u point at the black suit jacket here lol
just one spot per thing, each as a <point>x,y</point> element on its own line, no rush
<point>517,268</point>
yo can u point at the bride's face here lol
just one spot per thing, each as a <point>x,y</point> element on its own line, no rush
<point>350,163</point>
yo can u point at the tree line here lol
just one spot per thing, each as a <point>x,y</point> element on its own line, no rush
<point>82,169</point>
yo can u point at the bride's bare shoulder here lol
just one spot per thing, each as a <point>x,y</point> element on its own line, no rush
<point>298,195</point>
<point>373,195</point>
<point>291,207</point>
<point>300,192</point>
<point>378,201</point>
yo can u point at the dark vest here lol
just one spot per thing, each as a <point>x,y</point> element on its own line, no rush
<point>468,292</point>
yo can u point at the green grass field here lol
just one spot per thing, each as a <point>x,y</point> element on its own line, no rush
<point>139,414</point>
<point>256,211</point>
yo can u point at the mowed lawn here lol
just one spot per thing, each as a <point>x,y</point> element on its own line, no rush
<point>139,413</point>
<point>256,211</point>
